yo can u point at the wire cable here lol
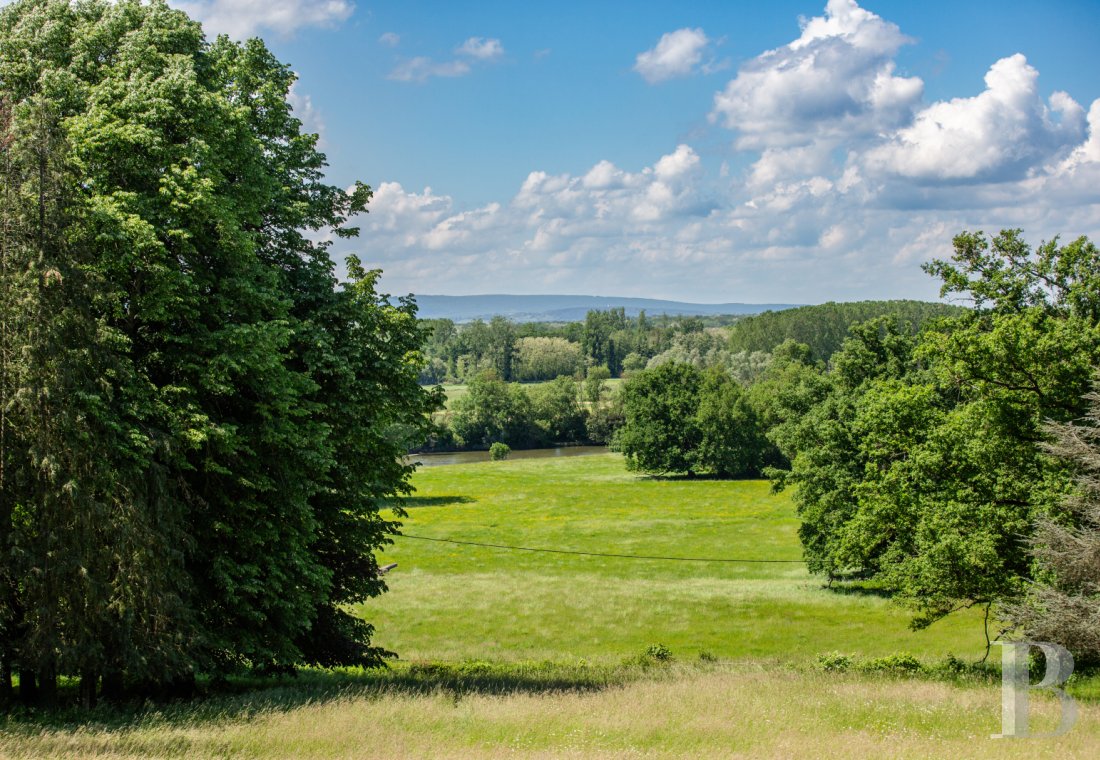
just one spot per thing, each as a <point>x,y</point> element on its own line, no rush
<point>596,554</point>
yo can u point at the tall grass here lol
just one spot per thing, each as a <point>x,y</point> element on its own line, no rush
<point>676,711</point>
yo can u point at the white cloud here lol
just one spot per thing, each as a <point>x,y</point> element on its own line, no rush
<point>390,39</point>
<point>1089,151</point>
<point>480,48</point>
<point>548,213</point>
<point>1001,133</point>
<point>677,164</point>
<point>246,18</point>
<point>302,105</point>
<point>676,54</point>
<point>843,182</point>
<point>836,80</point>
<point>778,164</point>
<point>421,68</point>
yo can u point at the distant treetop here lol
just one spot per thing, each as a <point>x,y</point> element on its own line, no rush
<point>824,327</point>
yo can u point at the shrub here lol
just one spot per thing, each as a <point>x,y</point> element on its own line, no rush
<point>658,652</point>
<point>902,662</point>
<point>834,662</point>
<point>498,452</point>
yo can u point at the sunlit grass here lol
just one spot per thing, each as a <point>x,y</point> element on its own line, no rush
<point>681,711</point>
<point>535,655</point>
<point>458,602</point>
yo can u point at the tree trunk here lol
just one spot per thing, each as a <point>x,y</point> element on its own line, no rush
<point>88,682</point>
<point>113,689</point>
<point>7,693</point>
<point>47,687</point>
<point>28,687</point>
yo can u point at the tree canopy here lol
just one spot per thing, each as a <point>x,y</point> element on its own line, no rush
<point>200,421</point>
<point>918,465</point>
<point>825,326</point>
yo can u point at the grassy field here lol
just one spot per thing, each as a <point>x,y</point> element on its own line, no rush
<point>455,602</point>
<point>698,711</point>
<point>534,655</point>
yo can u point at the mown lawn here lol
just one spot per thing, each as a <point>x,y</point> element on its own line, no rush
<point>450,602</point>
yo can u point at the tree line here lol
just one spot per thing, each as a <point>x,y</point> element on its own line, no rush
<point>825,326</point>
<point>539,351</point>
<point>495,357</point>
<point>198,422</point>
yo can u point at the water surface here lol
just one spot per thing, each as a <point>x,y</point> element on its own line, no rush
<point>465,457</point>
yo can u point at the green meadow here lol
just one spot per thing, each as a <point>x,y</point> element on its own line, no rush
<point>456,602</point>
<point>540,655</point>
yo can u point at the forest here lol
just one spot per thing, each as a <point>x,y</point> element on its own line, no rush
<point>538,384</point>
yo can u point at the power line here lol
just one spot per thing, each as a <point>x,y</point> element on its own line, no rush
<point>595,554</point>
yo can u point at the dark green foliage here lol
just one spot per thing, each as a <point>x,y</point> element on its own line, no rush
<point>601,342</point>
<point>823,328</point>
<point>557,411</point>
<point>732,441</point>
<point>915,458</point>
<point>502,346</point>
<point>661,433</point>
<point>493,411</point>
<point>680,419</point>
<point>604,420</point>
<point>199,423</point>
<point>498,452</point>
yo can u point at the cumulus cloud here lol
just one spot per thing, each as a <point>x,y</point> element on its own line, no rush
<point>549,212</point>
<point>676,54</point>
<point>390,39</point>
<point>480,48</point>
<point>661,231</point>
<point>1089,151</point>
<point>836,80</point>
<point>999,134</point>
<point>842,181</point>
<point>246,18</point>
<point>302,105</point>
<point>422,68</point>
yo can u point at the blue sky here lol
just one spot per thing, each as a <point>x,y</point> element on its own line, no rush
<point>783,151</point>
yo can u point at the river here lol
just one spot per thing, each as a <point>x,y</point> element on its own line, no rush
<point>465,457</point>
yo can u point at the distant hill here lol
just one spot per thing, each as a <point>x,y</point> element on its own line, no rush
<point>570,308</point>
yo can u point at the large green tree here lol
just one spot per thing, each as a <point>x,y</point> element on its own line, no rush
<point>200,421</point>
<point>919,466</point>
<point>660,433</point>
